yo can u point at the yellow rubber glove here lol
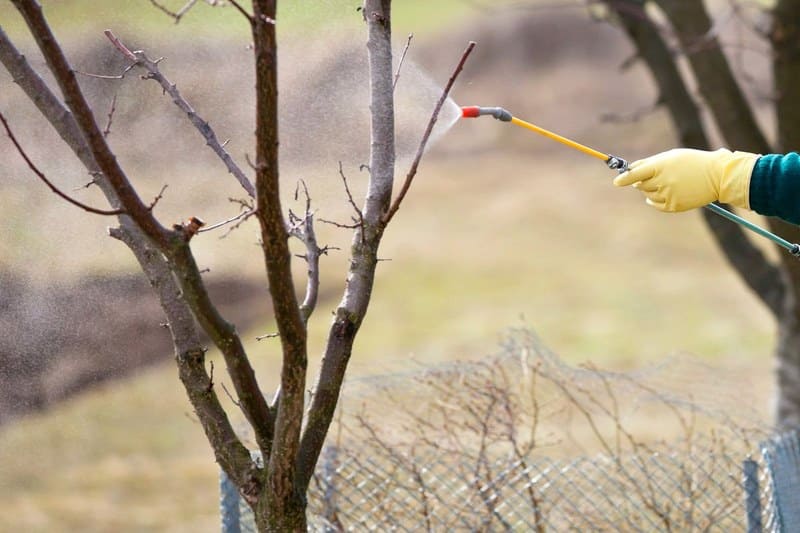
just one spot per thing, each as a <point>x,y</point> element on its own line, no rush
<point>683,179</point>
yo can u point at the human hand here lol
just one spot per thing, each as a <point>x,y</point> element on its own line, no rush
<point>683,179</point>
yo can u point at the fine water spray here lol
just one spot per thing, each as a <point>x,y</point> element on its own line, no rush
<point>620,165</point>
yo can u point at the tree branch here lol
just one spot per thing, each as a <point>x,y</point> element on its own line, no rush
<point>400,62</point>
<point>377,14</point>
<point>244,215</point>
<point>140,59</point>
<point>364,250</point>
<point>47,182</point>
<point>231,454</point>
<point>50,107</point>
<point>274,237</point>
<point>107,129</point>
<point>242,10</point>
<point>229,451</point>
<point>421,150</point>
<point>303,230</point>
<point>75,100</point>
<point>715,78</point>
<point>175,15</point>
<point>225,337</point>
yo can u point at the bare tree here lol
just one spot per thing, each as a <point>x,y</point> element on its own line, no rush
<point>289,433</point>
<point>695,33</point>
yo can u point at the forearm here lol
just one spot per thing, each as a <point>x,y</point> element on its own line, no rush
<point>775,186</point>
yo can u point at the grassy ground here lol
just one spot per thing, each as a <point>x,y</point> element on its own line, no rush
<point>500,230</point>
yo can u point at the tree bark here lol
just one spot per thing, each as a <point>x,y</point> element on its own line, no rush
<point>283,506</point>
<point>65,77</point>
<point>761,277</point>
<point>364,250</point>
<point>737,123</point>
<point>231,454</point>
<point>786,68</point>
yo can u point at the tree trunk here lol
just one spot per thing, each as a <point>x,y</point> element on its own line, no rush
<point>748,261</point>
<point>284,519</point>
<point>736,122</point>
<point>364,252</point>
<point>778,286</point>
<point>786,68</point>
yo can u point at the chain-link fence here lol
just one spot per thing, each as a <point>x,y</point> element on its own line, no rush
<point>523,442</point>
<point>710,490</point>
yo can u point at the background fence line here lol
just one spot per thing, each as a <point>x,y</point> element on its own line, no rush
<point>366,490</point>
<point>525,442</point>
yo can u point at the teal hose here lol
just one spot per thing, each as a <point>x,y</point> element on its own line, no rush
<point>793,248</point>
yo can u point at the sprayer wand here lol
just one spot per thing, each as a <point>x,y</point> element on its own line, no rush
<point>620,165</point>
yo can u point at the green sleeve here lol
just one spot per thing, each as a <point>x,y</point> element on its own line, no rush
<point>775,186</point>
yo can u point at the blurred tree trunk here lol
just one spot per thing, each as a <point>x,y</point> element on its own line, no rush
<point>786,70</point>
<point>777,285</point>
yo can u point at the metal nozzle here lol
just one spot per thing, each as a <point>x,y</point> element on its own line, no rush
<point>476,111</point>
<point>617,163</point>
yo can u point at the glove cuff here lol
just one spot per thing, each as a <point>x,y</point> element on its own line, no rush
<point>734,187</point>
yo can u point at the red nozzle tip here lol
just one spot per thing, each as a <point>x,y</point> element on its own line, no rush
<point>470,111</point>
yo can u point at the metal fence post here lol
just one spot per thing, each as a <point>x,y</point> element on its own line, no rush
<point>235,515</point>
<point>782,457</point>
<point>228,504</point>
<point>752,496</point>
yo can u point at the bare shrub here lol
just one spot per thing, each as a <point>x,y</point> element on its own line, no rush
<point>524,441</point>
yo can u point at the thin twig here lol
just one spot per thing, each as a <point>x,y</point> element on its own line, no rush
<point>164,9</point>
<point>268,336</point>
<point>230,396</point>
<point>241,10</point>
<point>175,15</point>
<point>400,63</point>
<point>121,47</point>
<point>107,129</point>
<point>158,197</point>
<point>360,219</point>
<point>185,9</point>
<point>242,215</point>
<point>421,150</point>
<point>88,184</point>
<point>53,188</point>
<point>244,204</point>
<point>202,126</point>
<point>338,224</point>
<point>100,76</point>
<point>210,386</point>
<point>107,76</point>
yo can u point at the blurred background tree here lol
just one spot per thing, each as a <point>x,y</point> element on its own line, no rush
<point>694,75</point>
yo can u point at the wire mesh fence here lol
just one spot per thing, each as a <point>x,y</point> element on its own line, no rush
<point>711,490</point>
<point>522,442</point>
